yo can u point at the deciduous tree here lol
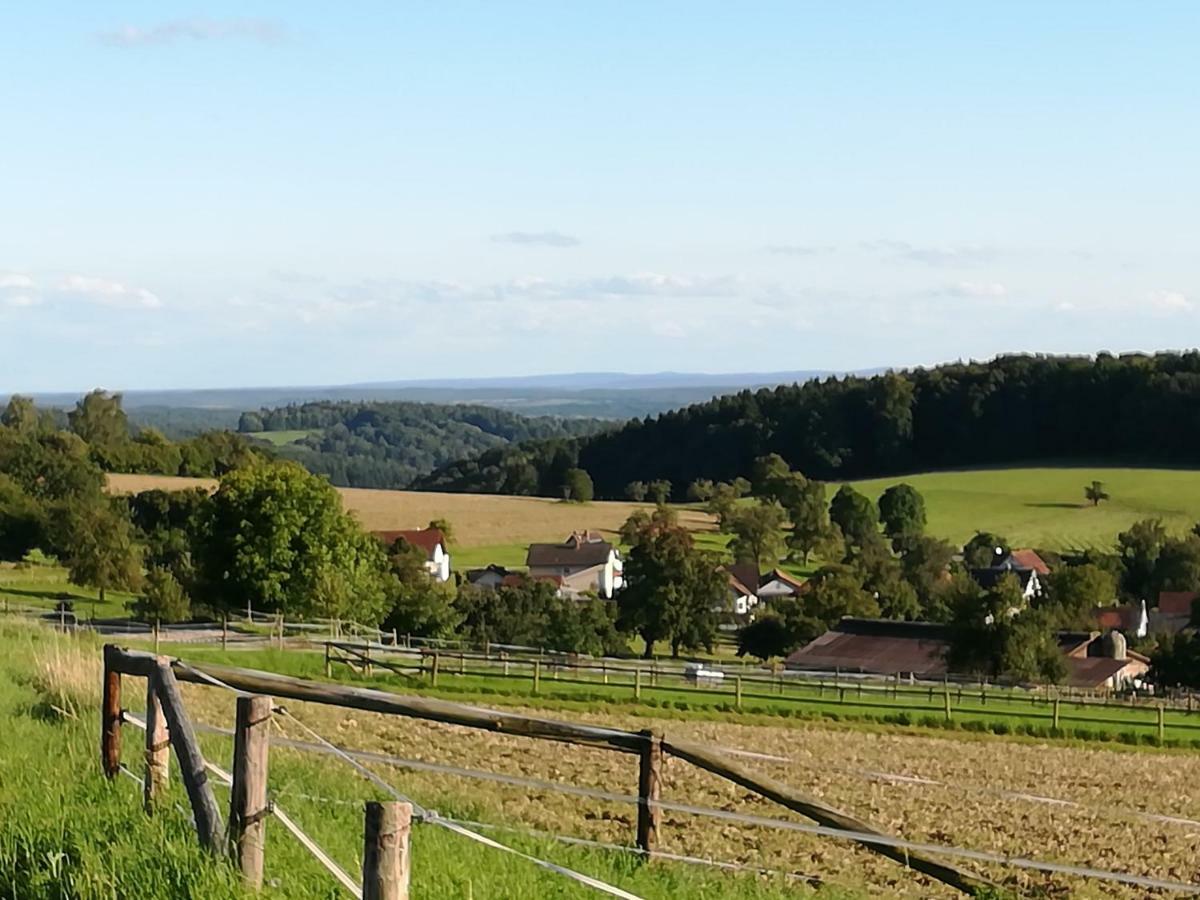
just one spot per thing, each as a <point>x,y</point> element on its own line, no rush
<point>854,514</point>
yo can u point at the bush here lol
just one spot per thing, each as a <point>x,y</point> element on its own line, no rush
<point>36,557</point>
<point>164,599</point>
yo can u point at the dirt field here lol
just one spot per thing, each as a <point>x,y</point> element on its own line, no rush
<point>966,806</point>
<point>478,519</point>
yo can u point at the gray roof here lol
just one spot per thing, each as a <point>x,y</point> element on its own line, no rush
<point>571,553</point>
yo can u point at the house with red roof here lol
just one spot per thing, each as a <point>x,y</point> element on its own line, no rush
<point>430,540</point>
<point>583,563</point>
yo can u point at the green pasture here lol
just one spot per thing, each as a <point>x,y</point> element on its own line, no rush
<point>280,438</point>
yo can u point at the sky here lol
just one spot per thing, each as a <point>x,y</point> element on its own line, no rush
<point>224,194</point>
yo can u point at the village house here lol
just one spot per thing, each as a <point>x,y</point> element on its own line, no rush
<point>430,540</point>
<point>1025,565</point>
<point>494,576</point>
<point>917,649</point>
<point>748,587</point>
<point>583,563</point>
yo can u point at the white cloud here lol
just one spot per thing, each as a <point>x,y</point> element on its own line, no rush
<point>543,238</point>
<point>939,256</point>
<point>1168,301</point>
<point>984,289</point>
<point>260,30</point>
<point>14,280</point>
<point>106,292</point>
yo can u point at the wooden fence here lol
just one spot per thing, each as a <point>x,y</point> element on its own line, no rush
<point>944,700</point>
<point>380,877</point>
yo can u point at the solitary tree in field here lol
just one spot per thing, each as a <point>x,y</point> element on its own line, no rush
<point>577,486</point>
<point>902,512</point>
<point>660,490</point>
<point>1095,492</point>
<point>102,551</point>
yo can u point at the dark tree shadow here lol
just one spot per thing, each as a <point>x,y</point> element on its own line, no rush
<point>1058,505</point>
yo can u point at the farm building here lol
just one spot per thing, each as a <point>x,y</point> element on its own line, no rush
<point>1021,559</point>
<point>918,649</point>
<point>431,540</point>
<point>489,577</point>
<point>748,587</point>
<point>583,562</point>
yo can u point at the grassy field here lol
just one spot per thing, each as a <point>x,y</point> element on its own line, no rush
<point>66,832</point>
<point>45,586</point>
<point>1045,507</point>
<point>1040,507</point>
<point>280,438</point>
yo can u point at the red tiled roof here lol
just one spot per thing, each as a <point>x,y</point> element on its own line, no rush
<point>427,539</point>
<point>1028,559</point>
<point>1176,603</point>
<point>1114,617</point>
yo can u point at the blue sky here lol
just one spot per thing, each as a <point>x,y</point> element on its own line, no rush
<point>304,193</point>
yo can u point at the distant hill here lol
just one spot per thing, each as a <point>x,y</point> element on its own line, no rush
<point>388,445</point>
<point>1014,409</point>
<point>606,395</point>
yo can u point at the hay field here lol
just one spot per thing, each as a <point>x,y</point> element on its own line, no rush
<point>953,795</point>
<point>479,520</point>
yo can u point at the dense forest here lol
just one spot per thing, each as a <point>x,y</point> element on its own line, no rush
<point>388,445</point>
<point>1133,408</point>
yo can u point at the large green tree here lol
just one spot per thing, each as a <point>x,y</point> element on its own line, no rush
<point>902,512</point>
<point>102,551</point>
<point>811,530</point>
<point>854,514</point>
<point>278,540</point>
<point>673,591</point>
<point>757,531</point>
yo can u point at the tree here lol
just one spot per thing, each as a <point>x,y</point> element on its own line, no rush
<point>768,471</point>
<point>102,552</point>
<point>836,592</point>
<point>902,512</point>
<point>24,520</point>
<point>1178,565</point>
<point>163,599</point>
<point>672,590</point>
<point>991,635</point>
<point>925,562</point>
<point>1095,492</point>
<point>757,531</point>
<point>577,486</point>
<point>169,524</point>
<point>854,514</point>
<point>882,576</point>
<point>636,491</point>
<point>700,490</point>
<point>20,415</point>
<point>1139,548</point>
<point>444,526</point>
<point>764,638</point>
<point>276,538</point>
<point>420,605</point>
<point>811,528</point>
<point>1176,660</point>
<point>980,551</point>
<point>100,421</point>
<point>1074,592</point>
<point>660,491</point>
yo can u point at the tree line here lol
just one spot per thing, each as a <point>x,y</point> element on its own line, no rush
<point>1138,408</point>
<point>389,444</point>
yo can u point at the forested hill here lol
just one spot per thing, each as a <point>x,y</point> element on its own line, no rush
<point>389,444</point>
<point>1134,408</point>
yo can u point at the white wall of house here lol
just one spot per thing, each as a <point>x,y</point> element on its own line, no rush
<point>439,564</point>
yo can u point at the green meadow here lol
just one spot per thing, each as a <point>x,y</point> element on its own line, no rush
<point>1045,506</point>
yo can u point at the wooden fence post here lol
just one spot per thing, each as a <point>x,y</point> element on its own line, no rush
<point>156,637</point>
<point>110,715</point>
<point>637,684</point>
<point>191,761</point>
<point>328,662</point>
<point>1162,725</point>
<point>537,675</point>
<point>433,670</point>
<point>158,747</point>
<point>649,792</point>
<point>367,660</point>
<point>737,691</point>
<point>949,715</point>
<point>1056,714</point>
<point>224,631</point>
<point>248,808</point>
<point>387,860</point>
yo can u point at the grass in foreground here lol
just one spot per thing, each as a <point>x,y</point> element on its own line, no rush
<point>65,831</point>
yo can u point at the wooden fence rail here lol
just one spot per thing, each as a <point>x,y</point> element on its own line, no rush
<point>648,746</point>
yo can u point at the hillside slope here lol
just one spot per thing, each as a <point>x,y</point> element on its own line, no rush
<point>1012,410</point>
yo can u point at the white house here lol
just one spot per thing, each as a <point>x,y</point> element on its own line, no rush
<point>432,541</point>
<point>584,562</point>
